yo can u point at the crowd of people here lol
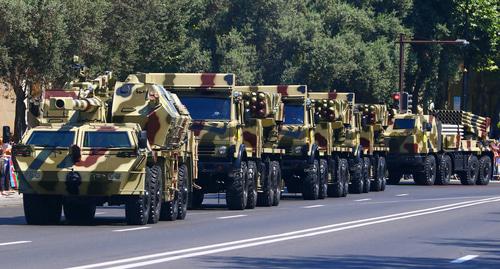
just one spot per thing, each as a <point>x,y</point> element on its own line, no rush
<point>8,178</point>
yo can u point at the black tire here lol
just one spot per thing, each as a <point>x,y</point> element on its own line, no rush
<point>79,211</point>
<point>428,176</point>
<point>310,186</point>
<point>485,171</point>
<point>470,176</point>
<point>266,196</point>
<point>276,174</point>
<point>394,177</point>
<point>42,209</point>
<point>182,194</point>
<point>376,183</point>
<point>236,189</point>
<point>137,207</point>
<point>443,176</point>
<point>323,179</point>
<point>366,174</point>
<point>156,194</point>
<point>252,185</point>
<point>335,187</point>
<point>357,183</point>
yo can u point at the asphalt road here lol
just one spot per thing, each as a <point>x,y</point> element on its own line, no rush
<point>406,226</point>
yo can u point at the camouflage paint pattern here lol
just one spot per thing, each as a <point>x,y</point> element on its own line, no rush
<point>375,119</point>
<point>103,171</point>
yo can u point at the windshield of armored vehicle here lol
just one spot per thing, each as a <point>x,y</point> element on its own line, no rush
<point>404,124</point>
<point>106,140</point>
<point>51,138</point>
<point>294,113</point>
<point>207,108</point>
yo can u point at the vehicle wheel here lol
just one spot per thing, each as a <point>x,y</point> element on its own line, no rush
<point>366,174</point>
<point>183,192</point>
<point>156,194</point>
<point>137,207</point>
<point>356,185</point>
<point>428,176</point>
<point>376,184</point>
<point>79,211</point>
<point>336,188</point>
<point>266,196</point>
<point>42,209</point>
<point>470,176</point>
<point>382,172</point>
<point>485,171</point>
<point>323,179</point>
<point>252,185</point>
<point>236,189</point>
<point>343,177</point>
<point>444,170</point>
<point>276,182</point>
<point>394,177</point>
<point>310,187</point>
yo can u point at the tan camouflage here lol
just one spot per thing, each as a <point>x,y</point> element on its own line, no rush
<point>375,119</point>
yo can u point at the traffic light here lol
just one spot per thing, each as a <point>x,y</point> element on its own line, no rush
<point>395,100</point>
<point>406,102</point>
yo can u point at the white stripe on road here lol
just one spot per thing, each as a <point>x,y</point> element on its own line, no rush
<point>232,217</point>
<point>132,229</point>
<point>269,239</point>
<point>402,194</point>
<point>100,213</point>
<point>312,206</point>
<point>362,200</point>
<point>14,243</point>
<point>464,258</point>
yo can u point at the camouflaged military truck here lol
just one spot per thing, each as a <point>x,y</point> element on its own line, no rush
<point>337,137</point>
<point>434,147</point>
<point>76,160</point>
<point>226,123</point>
<point>375,119</point>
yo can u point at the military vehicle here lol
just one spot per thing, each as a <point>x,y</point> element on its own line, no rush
<point>337,136</point>
<point>434,147</point>
<point>77,160</point>
<point>375,119</point>
<point>229,126</point>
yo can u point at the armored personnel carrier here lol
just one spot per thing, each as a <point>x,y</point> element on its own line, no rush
<point>434,147</point>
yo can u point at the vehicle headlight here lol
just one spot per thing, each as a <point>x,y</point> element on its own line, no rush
<point>297,150</point>
<point>222,150</point>
<point>114,176</point>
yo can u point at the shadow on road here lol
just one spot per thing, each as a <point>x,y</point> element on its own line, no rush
<point>491,246</point>
<point>351,261</point>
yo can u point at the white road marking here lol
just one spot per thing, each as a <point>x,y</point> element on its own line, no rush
<point>14,243</point>
<point>362,200</point>
<point>132,229</point>
<point>464,258</point>
<point>402,194</point>
<point>269,239</point>
<point>312,206</point>
<point>100,213</point>
<point>232,217</point>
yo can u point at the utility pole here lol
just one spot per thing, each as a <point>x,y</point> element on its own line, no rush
<point>465,74</point>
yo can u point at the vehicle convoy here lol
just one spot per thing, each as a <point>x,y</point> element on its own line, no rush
<point>236,133</point>
<point>434,147</point>
<point>375,119</point>
<point>76,160</point>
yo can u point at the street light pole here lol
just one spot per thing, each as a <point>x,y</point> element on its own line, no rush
<point>401,42</point>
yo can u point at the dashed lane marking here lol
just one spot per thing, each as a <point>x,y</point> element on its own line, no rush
<point>132,229</point>
<point>402,194</point>
<point>312,206</point>
<point>232,217</point>
<point>100,213</point>
<point>362,200</point>
<point>465,258</point>
<point>14,243</point>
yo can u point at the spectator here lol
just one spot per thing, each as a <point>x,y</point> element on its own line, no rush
<point>5,169</point>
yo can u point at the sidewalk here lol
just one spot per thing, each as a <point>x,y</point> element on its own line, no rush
<point>15,199</point>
